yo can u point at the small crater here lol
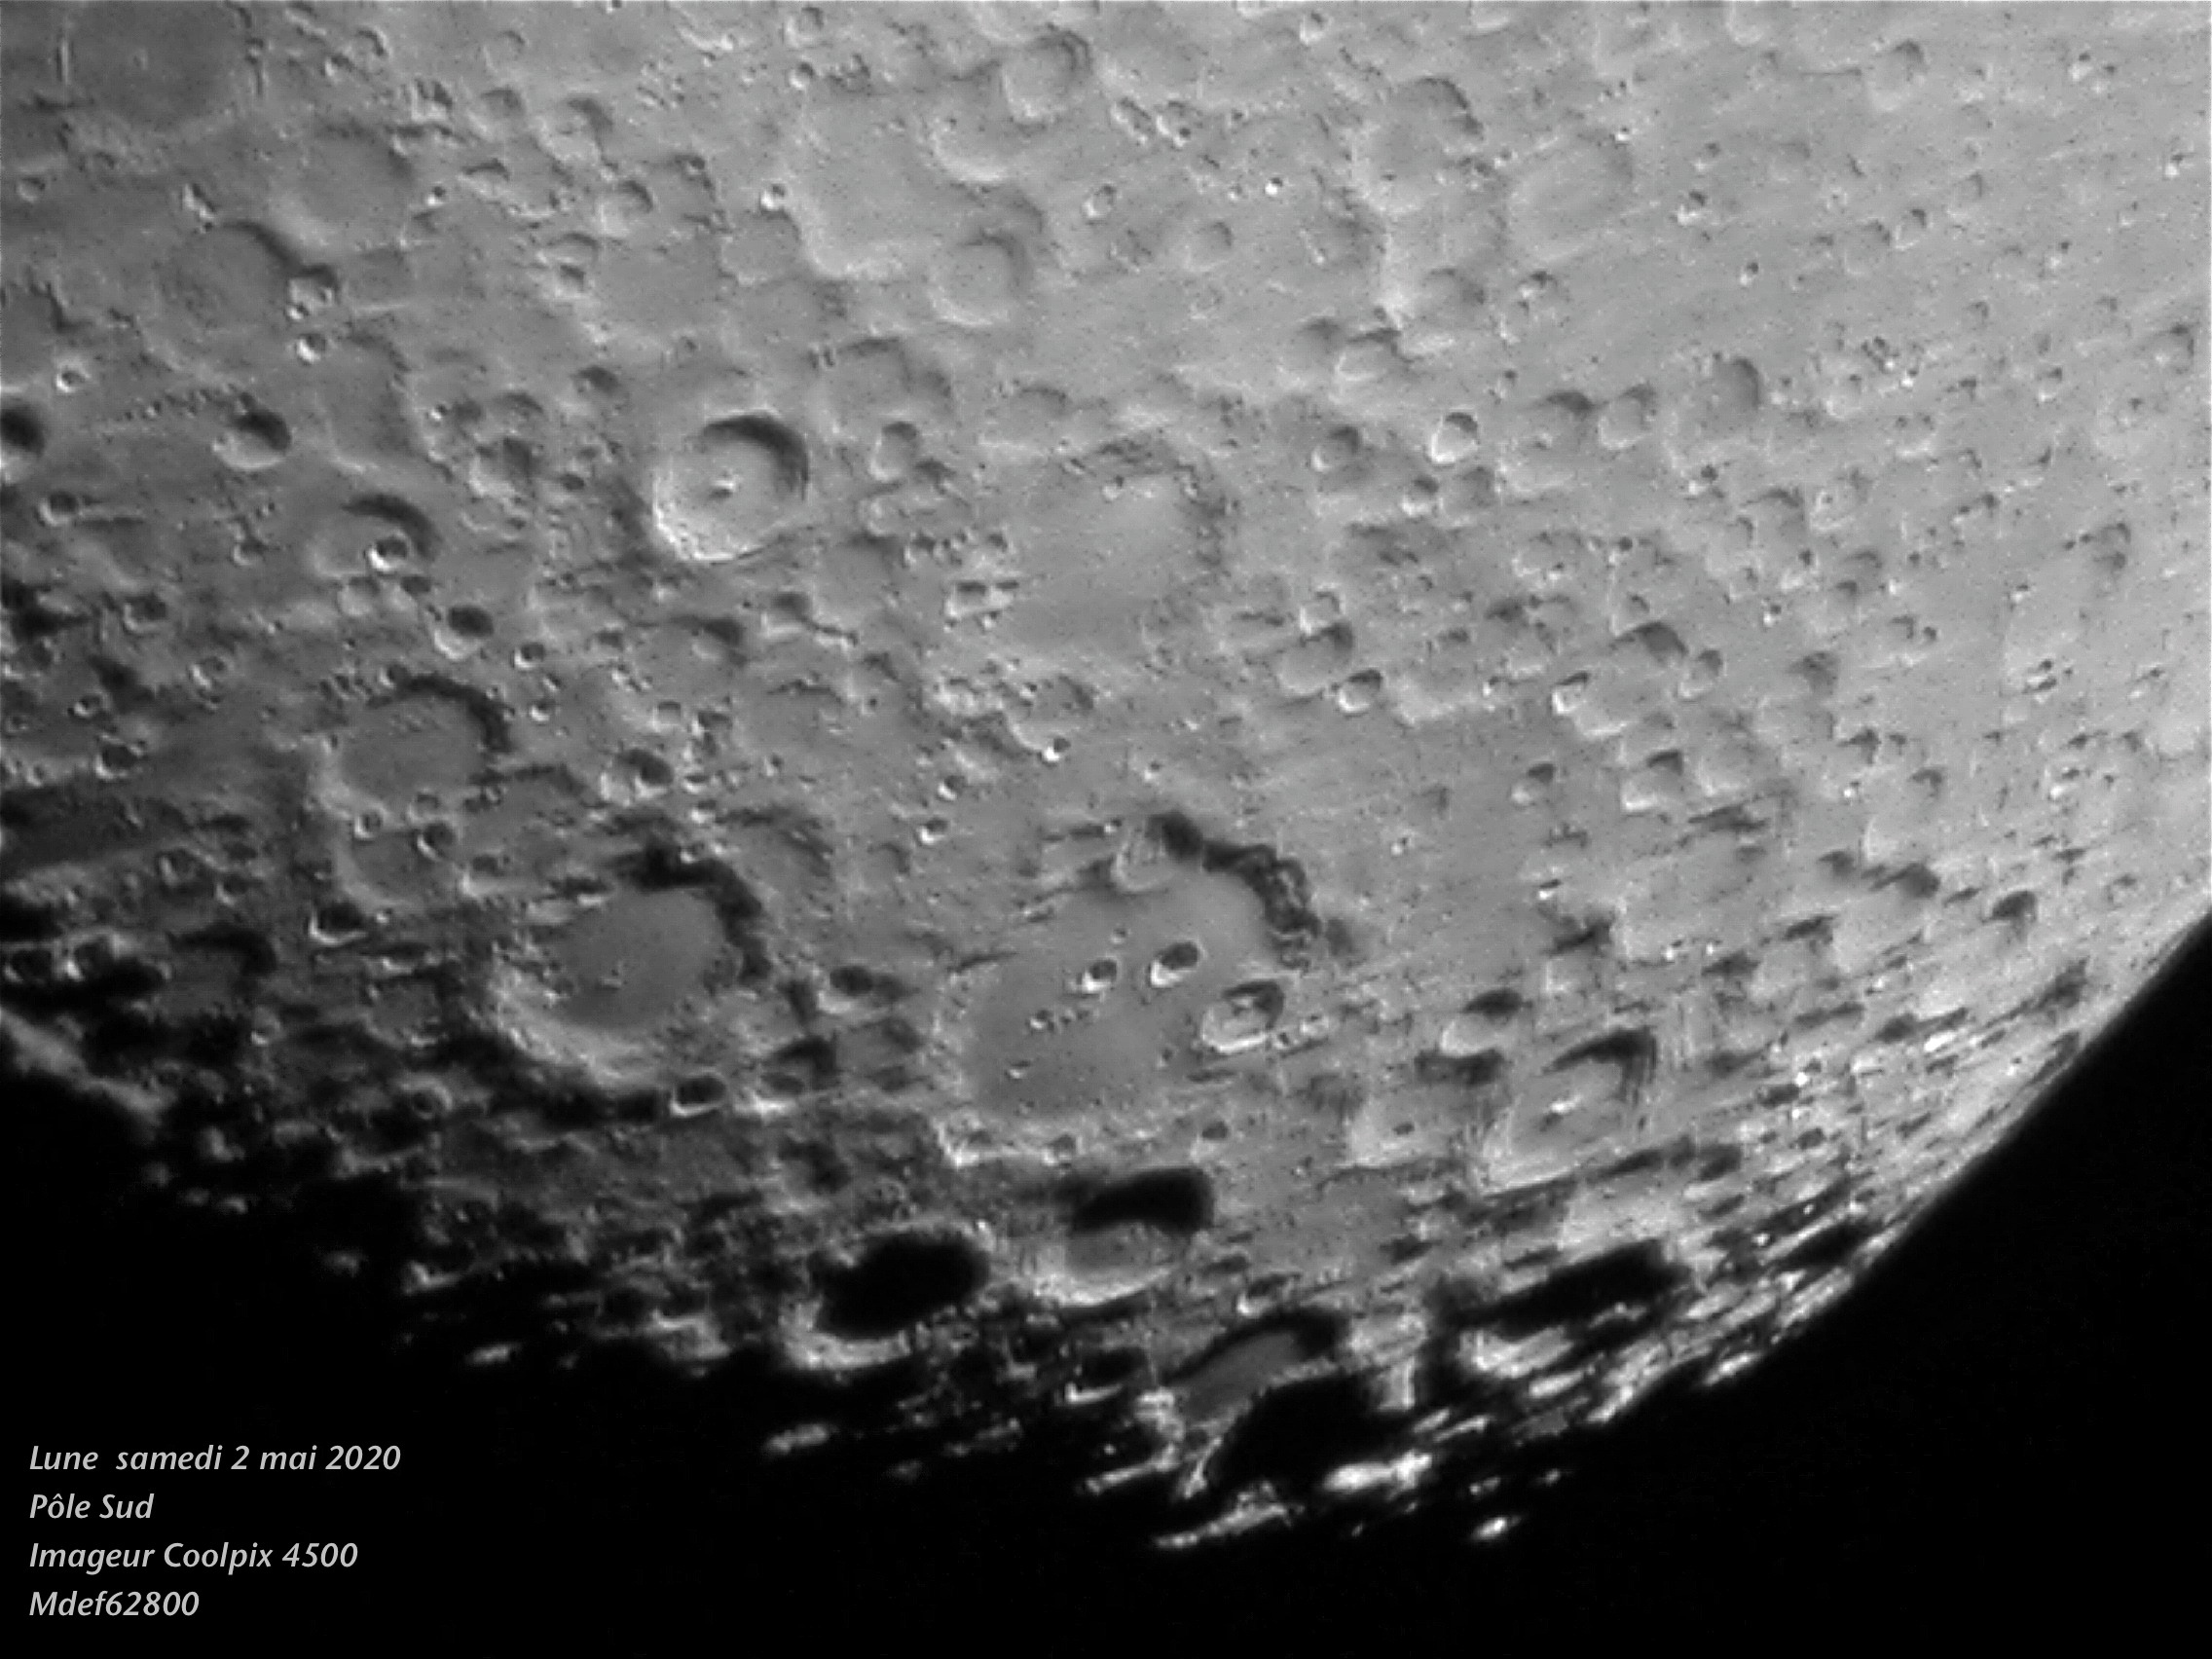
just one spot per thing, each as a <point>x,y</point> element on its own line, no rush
<point>805,1065</point>
<point>1894,76</point>
<point>725,491</point>
<point>1041,77</point>
<point>379,535</point>
<point>254,440</point>
<point>1632,1055</point>
<point>1819,673</point>
<point>1898,1028</point>
<point>1501,1004</point>
<point>1316,662</point>
<point>576,132</point>
<point>1098,542</point>
<point>59,509</point>
<point>471,622</point>
<point>1206,245</point>
<point>1241,1018</point>
<point>897,450</point>
<point>900,1282</point>
<point>1626,417</point>
<point>1417,146</point>
<point>1661,644</point>
<point>1173,964</point>
<point>23,437</point>
<point>981,282</point>
<point>1827,1247</point>
<point>1454,440</point>
<point>1544,450</point>
<point>1915,882</point>
<point>339,921</point>
<point>1477,1028</point>
<point>639,773</point>
<point>1247,1362</point>
<point>2064,995</point>
<point>1149,858</point>
<point>349,184</point>
<point>1336,452</point>
<point>1179,1202</point>
<point>1571,191</point>
<point>1658,783</point>
<point>855,986</point>
<point>699,1092</point>
<point>1097,976</point>
<point>1718,411</point>
<point>227,278</point>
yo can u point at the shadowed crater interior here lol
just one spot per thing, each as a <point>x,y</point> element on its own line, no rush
<point>898,1283</point>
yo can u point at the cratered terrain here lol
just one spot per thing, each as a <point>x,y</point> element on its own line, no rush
<point>1286,746</point>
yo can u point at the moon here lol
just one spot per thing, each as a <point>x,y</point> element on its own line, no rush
<point>1297,741</point>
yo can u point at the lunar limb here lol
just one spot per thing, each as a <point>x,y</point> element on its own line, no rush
<point>1165,720</point>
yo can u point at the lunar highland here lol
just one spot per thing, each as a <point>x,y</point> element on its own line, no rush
<point>1291,742</point>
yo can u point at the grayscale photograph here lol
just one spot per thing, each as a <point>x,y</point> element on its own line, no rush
<point>1169,829</point>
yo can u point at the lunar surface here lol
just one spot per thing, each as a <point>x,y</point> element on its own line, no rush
<point>1290,742</point>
